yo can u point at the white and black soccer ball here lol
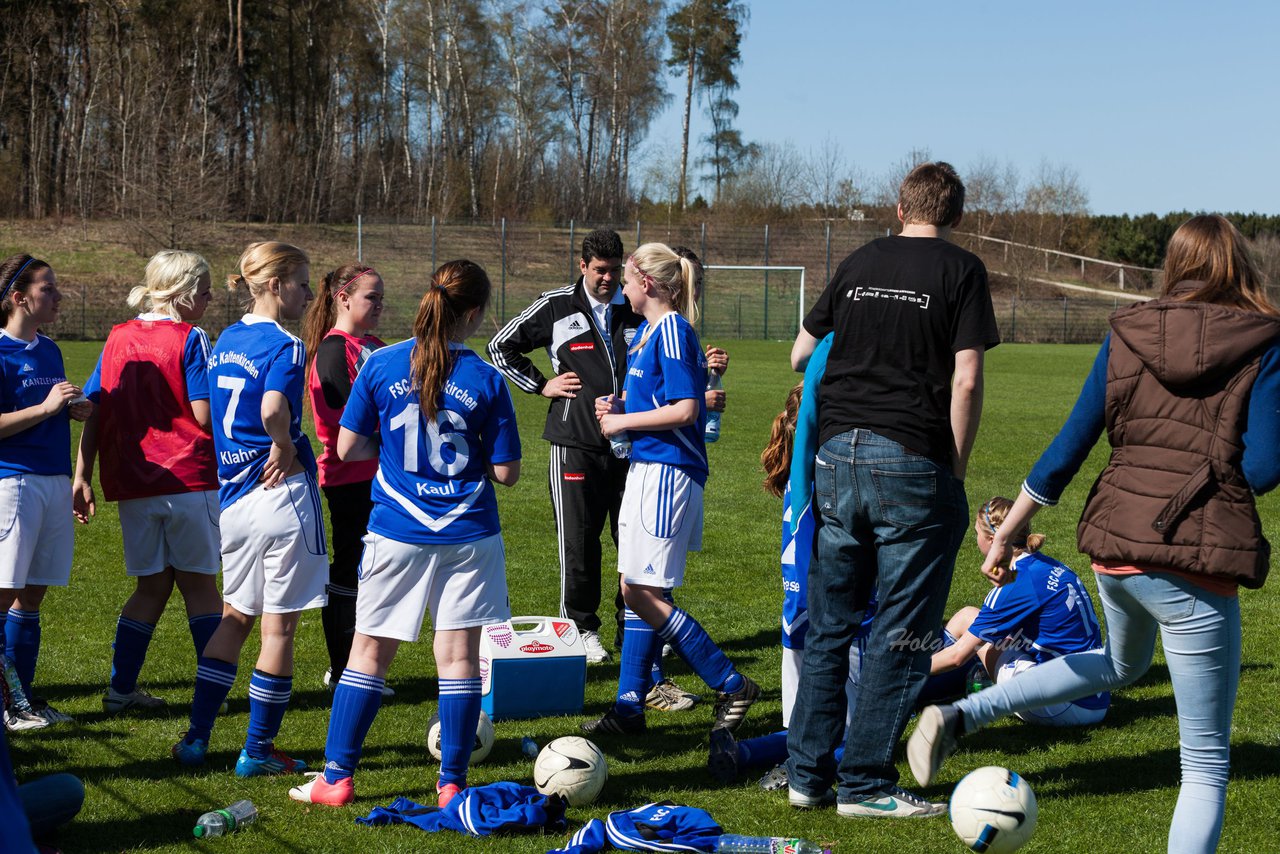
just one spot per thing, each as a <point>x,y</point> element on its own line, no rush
<point>993,810</point>
<point>484,738</point>
<point>571,767</point>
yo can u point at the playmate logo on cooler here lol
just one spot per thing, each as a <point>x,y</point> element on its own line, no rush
<point>585,345</point>
<point>575,475</point>
<point>501,635</point>
<point>537,648</point>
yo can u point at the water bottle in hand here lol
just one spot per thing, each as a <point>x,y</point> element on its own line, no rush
<point>712,431</point>
<point>222,822</point>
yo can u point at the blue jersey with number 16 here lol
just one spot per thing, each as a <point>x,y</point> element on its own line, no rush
<point>252,357</point>
<point>432,484</point>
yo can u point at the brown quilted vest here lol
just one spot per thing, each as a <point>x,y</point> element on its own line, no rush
<point>1172,494</point>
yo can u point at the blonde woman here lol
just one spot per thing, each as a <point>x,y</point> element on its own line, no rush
<point>151,432</point>
<point>274,558</point>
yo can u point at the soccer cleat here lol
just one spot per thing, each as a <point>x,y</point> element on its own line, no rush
<point>190,753</point>
<point>596,653</point>
<point>893,802</point>
<point>933,741</point>
<point>18,720</point>
<point>387,690</point>
<point>804,801</point>
<point>446,792</point>
<point>317,790</point>
<point>41,707</point>
<point>276,762</point>
<point>775,780</point>
<point>732,708</point>
<point>612,723</point>
<point>113,702</point>
<point>722,759</point>
<point>667,696</point>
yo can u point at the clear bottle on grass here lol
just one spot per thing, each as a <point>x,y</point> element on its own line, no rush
<point>732,843</point>
<point>222,822</point>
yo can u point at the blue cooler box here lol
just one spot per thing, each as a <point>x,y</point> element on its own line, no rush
<point>532,667</point>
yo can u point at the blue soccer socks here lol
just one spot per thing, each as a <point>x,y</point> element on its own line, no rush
<point>356,701</point>
<point>22,644</point>
<point>130,651</point>
<point>692,643</point>
<point>641,646</point>
<point>214,679</point>
<point>202,627</point>
<point>459,715</point>
<point>268,700</point>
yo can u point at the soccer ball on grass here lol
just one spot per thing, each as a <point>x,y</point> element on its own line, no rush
<point>484,738</point>
<point>993,810</point>
<point>571,767</point>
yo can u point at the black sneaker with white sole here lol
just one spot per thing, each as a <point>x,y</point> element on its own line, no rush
<point>612,723</point>
<point>732,708</point>
<point>722,758</point>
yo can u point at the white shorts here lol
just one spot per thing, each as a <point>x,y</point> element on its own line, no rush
<point>464,585</point>
<point>179,530</point>
<point>1011,663</point>
<point>659,524</point>
<point>36,531</point>
<point>274,558</point>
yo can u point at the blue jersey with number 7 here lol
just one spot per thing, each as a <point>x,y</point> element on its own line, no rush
<point>432,484</point>
<point>252,357</point>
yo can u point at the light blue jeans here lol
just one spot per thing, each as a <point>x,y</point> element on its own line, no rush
<point>1200,632</point>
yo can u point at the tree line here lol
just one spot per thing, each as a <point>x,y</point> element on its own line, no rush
<point>316,110</point>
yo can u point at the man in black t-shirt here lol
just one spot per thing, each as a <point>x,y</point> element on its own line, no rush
<point>901,401</point>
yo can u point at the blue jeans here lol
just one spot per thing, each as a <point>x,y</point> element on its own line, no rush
<point>891,520</point>
<point>1200,632</point>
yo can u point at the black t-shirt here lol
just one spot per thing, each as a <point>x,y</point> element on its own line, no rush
<point>901,308</point>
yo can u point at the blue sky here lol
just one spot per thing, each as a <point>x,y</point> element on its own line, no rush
<point>1158,106</point>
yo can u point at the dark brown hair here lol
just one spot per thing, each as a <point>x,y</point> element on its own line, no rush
<point>1209,250</point>
<point>12,281</point>
<point>322,314</point>
<point>776,456</point>
<point>932,194</point>
<point>457,287</point>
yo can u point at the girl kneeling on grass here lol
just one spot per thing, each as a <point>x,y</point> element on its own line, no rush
<point>274,559</point>
<point>36,408</point>
<point>151,429</point>
<point>338,337</point>
<point>1039,612</point>
<point>446,426</point>
<point>1186,387</point>
<point>661,516</point>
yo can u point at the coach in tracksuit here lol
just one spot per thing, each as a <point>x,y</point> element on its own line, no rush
<point>586,329</point>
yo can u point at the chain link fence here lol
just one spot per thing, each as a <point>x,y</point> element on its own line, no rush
<point>524,259</point>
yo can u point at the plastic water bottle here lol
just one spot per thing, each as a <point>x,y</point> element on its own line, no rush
<point>222,822</point>
<point>529,747</point>
<point>712,431</point>
<point>620,443</point>
<point>977,680</point>
<point>732,842</point>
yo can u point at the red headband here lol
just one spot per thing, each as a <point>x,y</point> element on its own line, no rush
<point>648,280</point>
<point>348,282</point>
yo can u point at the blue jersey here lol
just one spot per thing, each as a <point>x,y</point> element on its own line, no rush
<point>668,367</point>
<point>195,358</point>
<point>1046,609</point>
<point>797,548</point>
<point>432,484</point>
<point>27,371</point>
<point>653,827</point>
<point>252,357</point>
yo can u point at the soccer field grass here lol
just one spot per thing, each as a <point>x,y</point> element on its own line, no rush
<point>1109,788</point>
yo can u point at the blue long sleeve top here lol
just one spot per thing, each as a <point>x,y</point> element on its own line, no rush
<point>1069,449</point>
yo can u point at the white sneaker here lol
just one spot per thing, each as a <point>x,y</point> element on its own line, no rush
<point>387,690</point>
<point>17,721</point>
<point>891,803</point>
<point>113,701</point>
<point>596,653</point>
